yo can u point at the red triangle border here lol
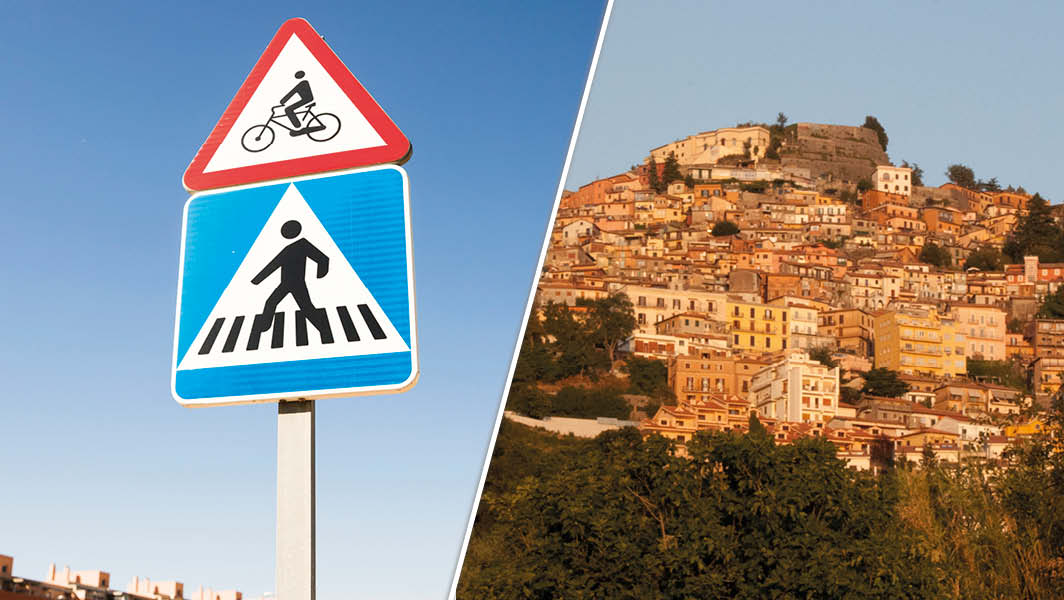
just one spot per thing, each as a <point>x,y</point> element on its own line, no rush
<point>396,148</point>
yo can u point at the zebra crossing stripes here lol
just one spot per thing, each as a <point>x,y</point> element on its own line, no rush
<point>320,320</point>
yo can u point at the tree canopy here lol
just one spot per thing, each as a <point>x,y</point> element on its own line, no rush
<point>872,123</point>
<point>653,180</point>
<point>987,258</point>
<point>917,178</point>
<point>557,344</point>
<point>823,355</point>
<point>961,175</point>
<point>609,322</point>
<point>647,376</point>
<point>1036,234</point>
<point>884,382</point>
<point>936,255</point>
<point>671,171</point>
<point>624,517</point>
<point>723,228</point>
<point>1053,306</point>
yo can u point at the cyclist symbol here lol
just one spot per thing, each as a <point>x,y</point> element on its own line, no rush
<point>320,127</point>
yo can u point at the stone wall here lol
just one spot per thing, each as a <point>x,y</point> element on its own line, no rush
<point>834,152</point>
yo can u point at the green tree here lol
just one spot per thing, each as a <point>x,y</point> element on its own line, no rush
<point>744,518</point>
<point>823,355</point>
<point>781,121</point>
<point>884,382</point>
<point>987,258</point>
<point>1036,234</point>
<point>671,172</point>
<point>1014,326</point>
<point>990,185</point>
<point>872,123</point>
<point>574,349</point>
<point>723,228</point>
<point>936,255</point>
<point>535,362</point>
<point>589,403</point>
<point>1053,305</point>
<point>917,175</point>
<point>647,376</point>
<point>927,457</point>
<point>653,180</point>
<point>961,175</point>
<point>850,395</point>
<point>610,321</point>
<point>689,181</point>
<point>529,400</point>
<point>863,185</point>
<point>1032,492</point>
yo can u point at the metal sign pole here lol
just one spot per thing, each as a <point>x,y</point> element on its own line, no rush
<point>295,500</point>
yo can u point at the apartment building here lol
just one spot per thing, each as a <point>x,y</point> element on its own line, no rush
<point>796,388</point>
<point>919,342</point>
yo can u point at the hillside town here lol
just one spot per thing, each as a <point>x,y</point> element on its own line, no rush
<point>795,273</point>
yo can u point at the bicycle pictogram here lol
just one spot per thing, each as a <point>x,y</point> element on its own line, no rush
<point>320,127</point>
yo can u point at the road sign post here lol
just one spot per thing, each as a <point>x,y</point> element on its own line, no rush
<point>296,279</point>
<point>295,500</point>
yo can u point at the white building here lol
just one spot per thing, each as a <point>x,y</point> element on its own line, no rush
<point>710,146</point>
<point>893,180</point>
<point>796,388</point>
<point>577,230</point>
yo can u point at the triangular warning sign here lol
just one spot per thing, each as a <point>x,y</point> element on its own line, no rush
<point>293,297</point>
<point>300,111</point>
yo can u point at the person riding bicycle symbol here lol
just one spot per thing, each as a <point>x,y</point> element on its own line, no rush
<point>320,127</point>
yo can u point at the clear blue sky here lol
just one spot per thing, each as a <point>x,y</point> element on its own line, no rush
<point>974,83</point>
<point>105,105</point>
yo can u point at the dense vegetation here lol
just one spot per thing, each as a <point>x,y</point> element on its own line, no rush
<point>881,133</point>
<point>742,517</point>
<point>936,255</point>
<point>1010,373</point>
<point>987,258</point>
<point>1053,306</point>
<point>723,228</point>
<point>570,401</point>
<point>1036,234</point>
<point>884,382</point>
<point>560,344</point>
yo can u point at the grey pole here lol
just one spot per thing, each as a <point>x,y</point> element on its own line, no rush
<point>295,500</point>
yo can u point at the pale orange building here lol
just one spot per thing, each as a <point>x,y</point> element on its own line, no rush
<point>984,328</point>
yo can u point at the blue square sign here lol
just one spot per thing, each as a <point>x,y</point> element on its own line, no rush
<point>298,289</point>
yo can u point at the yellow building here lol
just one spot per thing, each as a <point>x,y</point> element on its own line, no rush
<point>919,342</point>
<point>984,327</point>
<point>757,327</point>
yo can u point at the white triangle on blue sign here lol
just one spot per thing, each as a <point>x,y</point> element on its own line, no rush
<point>342,318</point>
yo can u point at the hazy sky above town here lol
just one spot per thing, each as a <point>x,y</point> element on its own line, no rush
<point>974,83</point>
<point>106,105</point>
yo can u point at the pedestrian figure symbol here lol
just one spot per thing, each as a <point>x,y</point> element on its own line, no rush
<point>319,127</point>
<point>292,264</point>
